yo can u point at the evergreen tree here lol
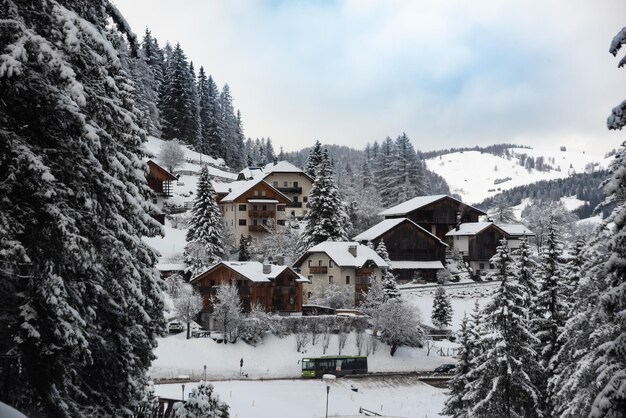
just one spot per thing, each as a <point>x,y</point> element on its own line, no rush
<point>314,161</point>
<point>178,104</point>
<point>442,308</point>
<point>202,403</point>
<point>213,129</point>
<point>78,285</point>
<point>525,275</point>
<point>205,226</point>
<point>381,250</point>
<point>574,270</point>
<point>326,219</point>
<point>500,383</point>
<point>230,125</point>
<point>456,405</point>
<point>551,307</point>
<point>244,248</point>
<point>390,286</point>
<point>501,211</point>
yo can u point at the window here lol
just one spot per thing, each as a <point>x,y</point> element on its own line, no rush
<point>280,208</point>
<point>256,192</point>
<point>262,192</point>
<point>275,183</point>
<point>280,222</point>
<point>292,301</point>
<point>242,222</point>
<point>330,263</point>
<point>309,294</point>
<point>295,184</point>
<point>293,213</point>
<point>330,279</point>
<point>320,262</point>
<point>295,199</point>
<point>310,263</point>
<point>242,208</point>
<point>305,199</point>
<point>347,279</point>
<point>481,266</point>
<point>264,207</point>
<point>285,184</point>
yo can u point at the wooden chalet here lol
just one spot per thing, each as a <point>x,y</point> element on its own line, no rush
<point>160,180</point>
<point>437,214</point>
<point>477,241</point>
<point>275,288</point>
<point>412,249</point>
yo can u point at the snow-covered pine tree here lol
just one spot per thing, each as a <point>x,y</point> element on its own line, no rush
<point>456,406</point>
<point>314,160</point>
<point>202,403</point>
<point>390,286</point>
<point>574,270</point>
<point>232,151</point>
<point>598,385</point>
<point>227,310</point>
<point>153,55</point>
<point>500,211</point>
<point>244,248</point>
<point>238,159</point>
<point>212,126</point>
<point>326,219</point>
<point>177,104</point>
<point>79,290</point>
<point>442,308</point>
<point>381,250</point>
<point>525,272</point>
<point>500,383</point>
<point>551,308</point>
<point>205,226</point>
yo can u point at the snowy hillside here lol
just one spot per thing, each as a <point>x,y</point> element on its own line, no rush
<point>476,176</point>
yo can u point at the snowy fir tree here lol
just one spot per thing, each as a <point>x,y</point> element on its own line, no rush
<point>203,402</point>
<point>178,103</point>
<point>314,161</point>
<point>381,250</point>
<point>205,226</point>
<point>442,308</point>
<point>244,248</point>
<point>500,376</point>
<point>501,211</point>
<point>591,380</point>
<point>524,269</point>
<point>456,406</point>
<point>373,299</point>
<point>550,305</point>
<point>227,310</point>
<point>574,270</point>
<point>80,292</point>
<point>326,219</point>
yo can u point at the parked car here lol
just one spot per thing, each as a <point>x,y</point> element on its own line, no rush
<point>175,327</point>
<point>445,368</point>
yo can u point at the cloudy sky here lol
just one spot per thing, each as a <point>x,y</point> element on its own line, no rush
<point>448,73</point>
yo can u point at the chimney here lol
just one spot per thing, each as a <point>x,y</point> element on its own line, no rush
<point>267,268</point>
<point>352,250</point>
<point>457,227</point>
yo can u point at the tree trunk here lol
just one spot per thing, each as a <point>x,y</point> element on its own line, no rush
<point>394,347</point>
<point>188,327</point>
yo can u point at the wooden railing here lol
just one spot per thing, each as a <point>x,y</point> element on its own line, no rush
<point>261,214</point>
<point>318,270</point>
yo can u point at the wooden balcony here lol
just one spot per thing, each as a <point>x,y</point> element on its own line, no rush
<point>261,214</point>
<point>294,204</point>
<point>257,228</point>
<point>318,270</point>
<point>290,190</point>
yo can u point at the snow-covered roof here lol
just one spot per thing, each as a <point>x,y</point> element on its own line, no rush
<point>222,188</point>
<point>469,228</point>
<point>413,265</point>
<point>418,202</point>
<point>262,200</point>
<point>339,252</point>
<point>281,167</point>
<point>516,230</point>
<point>171,266</point>
<point>250,172</point>
<point>253,271</point>
<point>386,225</point>
<point>237,188</point>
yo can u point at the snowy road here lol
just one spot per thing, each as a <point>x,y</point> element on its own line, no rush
<point>401,396</point>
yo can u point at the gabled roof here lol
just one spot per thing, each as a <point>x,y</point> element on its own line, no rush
<point>237,188</point>
<point>339,252</point>
<point>166,175</point>
<point>472,228</point>
<point>416,265</point>
<point>387,225</point>
<point>516,230</point>
<point>283,167</point>
<point>419,202</point>
<point>253,271</point>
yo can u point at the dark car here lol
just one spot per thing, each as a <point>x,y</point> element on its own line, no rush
<point>445,368</point>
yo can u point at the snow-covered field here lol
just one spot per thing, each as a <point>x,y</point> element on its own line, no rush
<point>398,397</point>
<point>473,175</point>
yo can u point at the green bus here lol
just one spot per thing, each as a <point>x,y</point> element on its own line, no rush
<point>337,365</point>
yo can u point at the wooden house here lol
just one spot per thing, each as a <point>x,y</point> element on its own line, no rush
<point>477,241</point>
<point>412,249</point>
<point>160,180</point>
<point>437,214</point>
<point>342,263</point>
<point>275,288</point>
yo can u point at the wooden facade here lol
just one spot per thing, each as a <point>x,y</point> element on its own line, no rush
<point>483,245</point>
<point>159,179</point>
<point>407,242</point>
<point>440,216</point>
<point>280,294</point>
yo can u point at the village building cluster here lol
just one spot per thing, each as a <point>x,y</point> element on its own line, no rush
<point>419,234</point>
